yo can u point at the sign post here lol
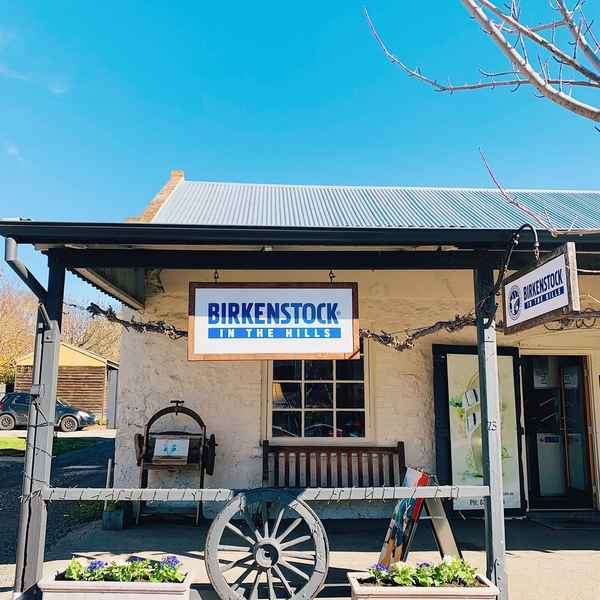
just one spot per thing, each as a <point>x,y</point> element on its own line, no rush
<point>543,292</point>
<point>257,321</point>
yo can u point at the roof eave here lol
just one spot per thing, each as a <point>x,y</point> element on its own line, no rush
<point>30,232</point>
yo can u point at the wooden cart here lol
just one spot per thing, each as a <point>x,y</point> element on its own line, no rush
<point>268,543</point>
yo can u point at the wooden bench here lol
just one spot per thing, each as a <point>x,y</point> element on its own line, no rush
<point>332,466</point>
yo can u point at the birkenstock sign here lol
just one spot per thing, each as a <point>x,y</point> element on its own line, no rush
<point>247,321</point>
<point>542,293</point>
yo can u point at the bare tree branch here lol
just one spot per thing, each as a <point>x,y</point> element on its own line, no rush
<point>578,34</point>
<point>545,224</point>
<point>537,28</point>
<point>440,87</point>
<point>544,88</point>
<point>556,88</point>
<point>151,326</point>
<point>532,35</point>
<point>591,33</point>
<point>400,344</point>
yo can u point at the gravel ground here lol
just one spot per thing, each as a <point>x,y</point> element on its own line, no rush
<point>81,468</point>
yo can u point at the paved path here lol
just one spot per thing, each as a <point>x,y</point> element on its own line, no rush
<point>543,563</point>
<point>81,468</point>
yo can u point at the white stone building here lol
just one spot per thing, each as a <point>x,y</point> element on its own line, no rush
<point>550,386</point>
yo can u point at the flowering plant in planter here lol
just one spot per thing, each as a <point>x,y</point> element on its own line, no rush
<point>450,572</point>
<point>167,570</point>
<point>100,580</point>
<point>452,578</point>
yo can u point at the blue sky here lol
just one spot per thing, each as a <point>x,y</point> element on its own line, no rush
<point>99,101</point>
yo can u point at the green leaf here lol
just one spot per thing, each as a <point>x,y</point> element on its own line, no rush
<point>75,570</point>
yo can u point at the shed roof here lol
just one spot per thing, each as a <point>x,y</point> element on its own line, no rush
<point>314,206</point>
<point>73,356</point>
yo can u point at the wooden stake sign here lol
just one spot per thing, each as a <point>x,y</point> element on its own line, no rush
<point>543,292</point>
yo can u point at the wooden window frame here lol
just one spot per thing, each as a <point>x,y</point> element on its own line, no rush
<point>322,441</point>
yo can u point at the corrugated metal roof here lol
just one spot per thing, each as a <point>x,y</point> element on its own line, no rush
<point>273,205</point>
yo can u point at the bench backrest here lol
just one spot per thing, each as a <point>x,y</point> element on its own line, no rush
<point>332,466</point>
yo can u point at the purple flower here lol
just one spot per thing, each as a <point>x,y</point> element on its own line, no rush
<point>424,565</point>
<point>380,567</point>
<point>134,559</point>
<point>171,561</point>
<point>96,564</point>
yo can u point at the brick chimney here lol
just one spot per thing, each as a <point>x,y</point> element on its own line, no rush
<point>158,201</point>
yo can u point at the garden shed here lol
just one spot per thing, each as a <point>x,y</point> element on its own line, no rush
<point>85,380</point>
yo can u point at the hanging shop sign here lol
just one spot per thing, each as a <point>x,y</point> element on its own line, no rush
<point>543,292</point>
<point>250,321</point>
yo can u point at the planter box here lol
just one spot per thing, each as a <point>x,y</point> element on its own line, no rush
<point>114,520</point>
<point>380,592</point>
<point>107,590</point>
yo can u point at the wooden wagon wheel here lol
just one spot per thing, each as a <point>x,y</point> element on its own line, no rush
<point>266,543</point>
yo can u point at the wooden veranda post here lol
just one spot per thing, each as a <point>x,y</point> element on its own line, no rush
<point>489,390</point>
<point>32,524</point>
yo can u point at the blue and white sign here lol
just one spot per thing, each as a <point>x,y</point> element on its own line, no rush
<point>542,292</point>
<point>260,321</point>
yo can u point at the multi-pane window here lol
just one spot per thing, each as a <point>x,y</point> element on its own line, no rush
<point>318,398</point>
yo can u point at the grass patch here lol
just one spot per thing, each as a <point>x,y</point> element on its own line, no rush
<point>12,446</point>
<point>15,446</point>
<point>64,445</point>
<point>90,510</point>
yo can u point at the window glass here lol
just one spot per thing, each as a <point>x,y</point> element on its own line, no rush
<point>349,370</point>
<point>318,398</point>
<point>318,395</point>
<point>318,370</point>
<point>287,395</point>
<point>350,423</point>
<point>287,370</point>
<point>350,395</point>
<point>318,423</point>
<point>287,423</point>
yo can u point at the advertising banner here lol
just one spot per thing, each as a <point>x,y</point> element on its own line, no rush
<point>466,428</point>
<point>543,292</point>
<point>247,321</point>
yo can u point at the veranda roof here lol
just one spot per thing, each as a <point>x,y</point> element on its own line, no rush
<point>194,224</point>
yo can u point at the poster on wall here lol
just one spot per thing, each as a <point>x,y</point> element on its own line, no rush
<point>464,410</point>
<point>252,321</point>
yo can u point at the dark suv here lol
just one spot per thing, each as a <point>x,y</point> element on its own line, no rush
<point>14,412</point>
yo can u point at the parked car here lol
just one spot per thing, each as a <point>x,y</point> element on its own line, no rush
<point>14,411</point>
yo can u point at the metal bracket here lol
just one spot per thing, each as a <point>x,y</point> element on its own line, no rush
<point>36,389</point>
<point>26,276</point>
<point>45,315</point>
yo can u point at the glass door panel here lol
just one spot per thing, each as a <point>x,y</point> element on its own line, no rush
<point>556,432</point>
<point>575,429</point>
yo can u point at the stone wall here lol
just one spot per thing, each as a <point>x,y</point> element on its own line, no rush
<point>231,396</point>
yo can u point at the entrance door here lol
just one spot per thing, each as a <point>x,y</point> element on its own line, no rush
<point>556,427</point>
